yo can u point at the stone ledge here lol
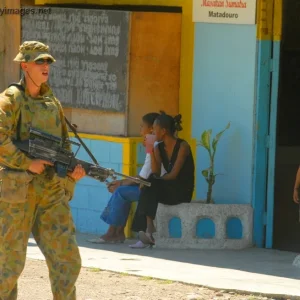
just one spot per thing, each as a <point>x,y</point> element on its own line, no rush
<point>191,213</point>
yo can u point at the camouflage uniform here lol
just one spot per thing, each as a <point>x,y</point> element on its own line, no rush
<point>31,202</point>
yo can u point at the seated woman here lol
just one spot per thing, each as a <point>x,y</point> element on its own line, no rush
<point>175,187</point>
<point>124,192</point>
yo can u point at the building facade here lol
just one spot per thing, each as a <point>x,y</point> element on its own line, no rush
<point>222,73</point>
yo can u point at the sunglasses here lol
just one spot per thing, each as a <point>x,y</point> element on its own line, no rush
<point>41,61</point>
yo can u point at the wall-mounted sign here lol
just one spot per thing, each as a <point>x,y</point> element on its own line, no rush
<point>224,11</point>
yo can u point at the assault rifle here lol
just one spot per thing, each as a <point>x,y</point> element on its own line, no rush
<point>45,146</point>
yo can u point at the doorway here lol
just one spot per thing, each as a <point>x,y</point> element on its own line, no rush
<point>286,212</point>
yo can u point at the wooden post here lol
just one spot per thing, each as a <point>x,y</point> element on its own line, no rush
<point>2,31</point>
<point>10,38</point>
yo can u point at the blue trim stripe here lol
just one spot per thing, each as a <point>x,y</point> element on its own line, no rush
<point>260,139</point>
<point>272,142</point>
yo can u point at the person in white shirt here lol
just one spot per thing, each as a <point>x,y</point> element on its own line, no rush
<point>124,192</point>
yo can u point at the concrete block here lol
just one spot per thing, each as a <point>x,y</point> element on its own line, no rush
<point>191,213</point>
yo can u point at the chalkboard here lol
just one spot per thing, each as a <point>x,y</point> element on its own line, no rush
<point>91,51</point>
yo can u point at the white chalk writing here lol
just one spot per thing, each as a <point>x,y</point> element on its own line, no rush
<point>89,70</point>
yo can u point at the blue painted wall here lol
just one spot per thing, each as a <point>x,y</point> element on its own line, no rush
<point>223,91</point>
<point>91,196</point>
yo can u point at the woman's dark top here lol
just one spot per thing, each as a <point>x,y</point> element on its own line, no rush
<point>185,177</point>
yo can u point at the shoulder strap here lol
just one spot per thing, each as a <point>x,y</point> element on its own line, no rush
<point>81,142</point>
<point>163,155</point>
<point>18,86</point>
<point>175,151</point>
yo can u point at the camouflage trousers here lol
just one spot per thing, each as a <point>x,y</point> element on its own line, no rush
<point>46,213</point>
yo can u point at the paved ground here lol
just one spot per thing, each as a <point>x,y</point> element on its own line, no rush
<point>96,284</point>
<point>253,270</point>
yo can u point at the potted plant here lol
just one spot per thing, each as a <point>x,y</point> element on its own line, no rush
<point>211,147</point>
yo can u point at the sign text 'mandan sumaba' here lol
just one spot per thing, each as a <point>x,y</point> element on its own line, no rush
<point>226,4</point>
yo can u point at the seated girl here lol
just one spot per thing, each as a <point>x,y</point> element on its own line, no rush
<point>174,187</point>
<point>124,192</point>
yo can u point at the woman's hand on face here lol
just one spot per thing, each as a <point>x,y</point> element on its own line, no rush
<point>149,141</point>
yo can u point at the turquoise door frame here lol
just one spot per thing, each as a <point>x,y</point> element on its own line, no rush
<point>272,144</point>
<point>262,120</point>
<point>265,131</point>
<point>265,142</point>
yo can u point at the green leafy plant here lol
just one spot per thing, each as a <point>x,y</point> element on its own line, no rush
<point>211,147</point>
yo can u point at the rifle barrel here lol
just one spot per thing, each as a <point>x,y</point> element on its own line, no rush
<point>135,179</point>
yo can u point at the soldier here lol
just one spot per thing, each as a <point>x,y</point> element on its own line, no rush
<point>30,199</point>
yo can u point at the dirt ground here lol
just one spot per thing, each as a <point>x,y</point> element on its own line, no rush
<point>96,284</point>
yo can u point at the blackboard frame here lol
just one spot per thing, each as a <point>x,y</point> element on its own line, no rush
<point>110,106</point>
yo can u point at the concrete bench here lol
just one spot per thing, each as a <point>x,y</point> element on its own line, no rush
<point>197,217</point>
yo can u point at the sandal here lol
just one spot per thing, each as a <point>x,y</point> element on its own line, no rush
<point>146,238</point>
<point>139,245</point>
<point>102,241</point>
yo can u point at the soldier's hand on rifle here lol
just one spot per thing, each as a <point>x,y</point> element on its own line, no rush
<point>38,166</point>
<point>296,196</point>
<point>78,173</point>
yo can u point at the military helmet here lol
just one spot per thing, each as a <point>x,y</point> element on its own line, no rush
<point>32,50</point>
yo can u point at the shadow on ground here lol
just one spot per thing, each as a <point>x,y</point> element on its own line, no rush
<point>260,261</point>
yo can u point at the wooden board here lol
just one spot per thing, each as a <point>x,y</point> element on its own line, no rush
<point>154,65</point>
<point>9,43</point>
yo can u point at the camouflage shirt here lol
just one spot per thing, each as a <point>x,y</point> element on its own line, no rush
<point>43,112</point>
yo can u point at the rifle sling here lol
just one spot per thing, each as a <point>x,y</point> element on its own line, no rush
<point>21,88</point>
<point>81,142</point>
